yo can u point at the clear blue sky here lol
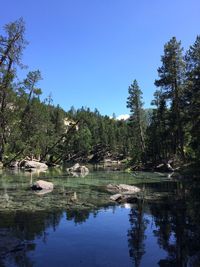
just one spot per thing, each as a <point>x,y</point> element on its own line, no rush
<point>89,51</point>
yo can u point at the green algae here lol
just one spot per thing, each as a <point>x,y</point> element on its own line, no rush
<point>69,192</point>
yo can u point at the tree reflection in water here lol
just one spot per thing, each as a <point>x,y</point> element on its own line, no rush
<point>18,231</point>
<point>175,220</point>
<point>136,234</point>
<point>78,216</point>
<point>178,227</point>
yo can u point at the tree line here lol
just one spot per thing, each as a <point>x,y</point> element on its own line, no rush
<point>173,132</point>
<point>31,127</point>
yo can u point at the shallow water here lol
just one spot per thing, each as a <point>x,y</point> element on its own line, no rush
<point>77,225</point>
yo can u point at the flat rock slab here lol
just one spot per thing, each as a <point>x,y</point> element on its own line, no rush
<point>130,189</point>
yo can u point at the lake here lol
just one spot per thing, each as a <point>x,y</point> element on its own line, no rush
<point>77,225</point>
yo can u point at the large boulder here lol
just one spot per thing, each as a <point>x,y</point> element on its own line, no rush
<point>42,185</point>
<point>78,168</point>
<point>31,164</point>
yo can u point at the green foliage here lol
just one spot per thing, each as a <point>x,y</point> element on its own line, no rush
<point>173,129</point>
<point>35,128</point>
<point>11,49</point>
<point>98,136</point>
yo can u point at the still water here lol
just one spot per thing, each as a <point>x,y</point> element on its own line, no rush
<point>77,225</point>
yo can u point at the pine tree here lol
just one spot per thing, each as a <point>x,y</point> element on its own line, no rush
<point>171,81</point>
<point>158,131</point>
<point>192,95</point>
<point>134,103</point>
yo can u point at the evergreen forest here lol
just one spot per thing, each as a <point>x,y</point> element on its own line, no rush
<point>32,126</point>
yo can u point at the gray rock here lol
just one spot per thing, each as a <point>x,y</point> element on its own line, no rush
<point>75,167</point>
<point>14,164</point>
<point>125,198</point>
<point>129,189</point>
<point>124,192</point>
<point>42,185</point>
<point>116,197</point>
<point>29,164</point>
<point>78,168</point>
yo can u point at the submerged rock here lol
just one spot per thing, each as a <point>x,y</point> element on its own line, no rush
<point>43,191</point>
<point>123,188</point>
<point>42,185</point>
<point>78,168</point>
<point>78,174</point>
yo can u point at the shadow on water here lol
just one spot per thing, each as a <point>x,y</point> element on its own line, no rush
<point>175,223</point>
<point>162,231</point>
<point>18,232</point>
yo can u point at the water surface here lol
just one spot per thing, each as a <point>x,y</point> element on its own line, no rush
<point>77,225</point>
